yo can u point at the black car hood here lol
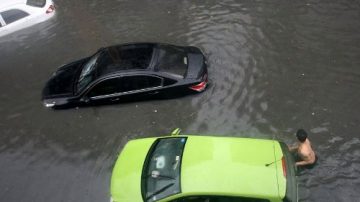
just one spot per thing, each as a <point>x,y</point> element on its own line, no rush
<point>61,84</point>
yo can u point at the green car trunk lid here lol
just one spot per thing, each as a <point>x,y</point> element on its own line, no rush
<point>233,166</point>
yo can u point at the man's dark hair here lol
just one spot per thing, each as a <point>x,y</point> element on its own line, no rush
<point>301,135</point>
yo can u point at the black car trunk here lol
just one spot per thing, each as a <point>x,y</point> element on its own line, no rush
<point>195,66</point>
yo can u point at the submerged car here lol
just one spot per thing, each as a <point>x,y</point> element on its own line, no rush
<point>116,72</point>
<point>185,168</point>
<point>18,14</point>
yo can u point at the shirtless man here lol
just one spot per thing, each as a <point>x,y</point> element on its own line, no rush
<point>304,150</point>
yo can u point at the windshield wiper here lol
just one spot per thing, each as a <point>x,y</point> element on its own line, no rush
<point>160,191</point>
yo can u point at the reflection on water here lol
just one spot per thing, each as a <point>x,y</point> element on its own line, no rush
<point>274,67</point>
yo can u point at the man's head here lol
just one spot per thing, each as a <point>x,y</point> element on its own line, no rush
<point>301,135</point>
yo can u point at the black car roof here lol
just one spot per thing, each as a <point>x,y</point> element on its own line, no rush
<point>141,65</point>
<point>124,58</point>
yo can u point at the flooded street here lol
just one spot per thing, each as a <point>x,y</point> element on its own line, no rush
<point>274,67</point>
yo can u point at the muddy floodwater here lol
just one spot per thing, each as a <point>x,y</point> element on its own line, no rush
<point>274,67</point>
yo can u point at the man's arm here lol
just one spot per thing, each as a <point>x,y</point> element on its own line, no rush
<point>303,163</point>
<point>293,148</point>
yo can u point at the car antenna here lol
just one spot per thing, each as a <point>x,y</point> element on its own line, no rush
<point>268,164</point>
<point>273,139</point>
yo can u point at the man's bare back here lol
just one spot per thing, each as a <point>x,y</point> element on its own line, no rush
<point>304,149</point>
<point>306,153</point>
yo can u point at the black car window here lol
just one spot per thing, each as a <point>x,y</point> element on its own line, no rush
<point>172,60</point>
<point>131,83</point>
<point>13,15</point>
<point>124,84</point>
<point>107,87</point>
<point>36,3</point>
<point>218,199</point>
<point>168,81</point>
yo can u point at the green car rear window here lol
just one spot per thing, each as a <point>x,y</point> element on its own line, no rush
<point>161,172</point>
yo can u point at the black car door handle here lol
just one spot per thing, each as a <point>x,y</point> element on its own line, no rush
<point>153,92</point>
<point>114,99</point>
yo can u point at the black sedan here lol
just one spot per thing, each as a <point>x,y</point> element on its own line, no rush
<point>127,70</point>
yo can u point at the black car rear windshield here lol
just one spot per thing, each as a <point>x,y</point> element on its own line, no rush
<point>161,172</point>
<point>172,60</point>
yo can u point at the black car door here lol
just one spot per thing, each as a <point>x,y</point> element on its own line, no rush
<point>114,88</point>
<point>141,84</point>
<point>107,89</point>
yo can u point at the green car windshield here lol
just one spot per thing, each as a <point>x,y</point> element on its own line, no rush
<point>161,172</point>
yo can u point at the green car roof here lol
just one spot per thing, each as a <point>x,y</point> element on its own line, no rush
<point>210,166</point>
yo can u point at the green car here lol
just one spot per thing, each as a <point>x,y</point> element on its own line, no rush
<point>185,168</point>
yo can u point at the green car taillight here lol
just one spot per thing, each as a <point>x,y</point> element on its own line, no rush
<point>283,165</point>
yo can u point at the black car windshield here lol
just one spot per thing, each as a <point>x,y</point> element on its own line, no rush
<point>172,60</point>
<point>161,172</point>
<point>88,72</point>
<point>115,58</point>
